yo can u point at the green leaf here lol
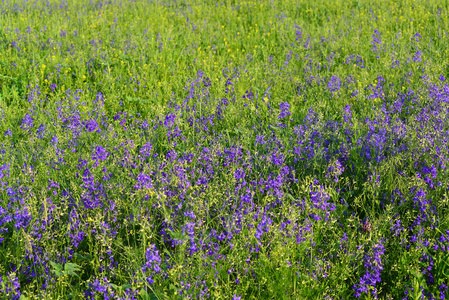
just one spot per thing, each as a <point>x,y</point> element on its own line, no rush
<point>123,287</point>
<point>290,196</point>
<point>71,268</point>
<point>57,269</point>
<point>81,257</point>
<point>148,296</point>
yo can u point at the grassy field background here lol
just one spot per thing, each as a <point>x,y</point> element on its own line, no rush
<point>224,149</point>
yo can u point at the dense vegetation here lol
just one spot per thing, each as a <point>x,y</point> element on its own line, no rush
<point>224,149</point>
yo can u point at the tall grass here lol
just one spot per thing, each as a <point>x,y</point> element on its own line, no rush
<point>224,150</point>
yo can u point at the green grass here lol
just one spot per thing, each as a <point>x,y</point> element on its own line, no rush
<point>237,199</point>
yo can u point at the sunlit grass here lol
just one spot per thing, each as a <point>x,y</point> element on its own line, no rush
<point>202,149</point>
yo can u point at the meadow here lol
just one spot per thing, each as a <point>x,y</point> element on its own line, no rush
<point>183,149</point>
